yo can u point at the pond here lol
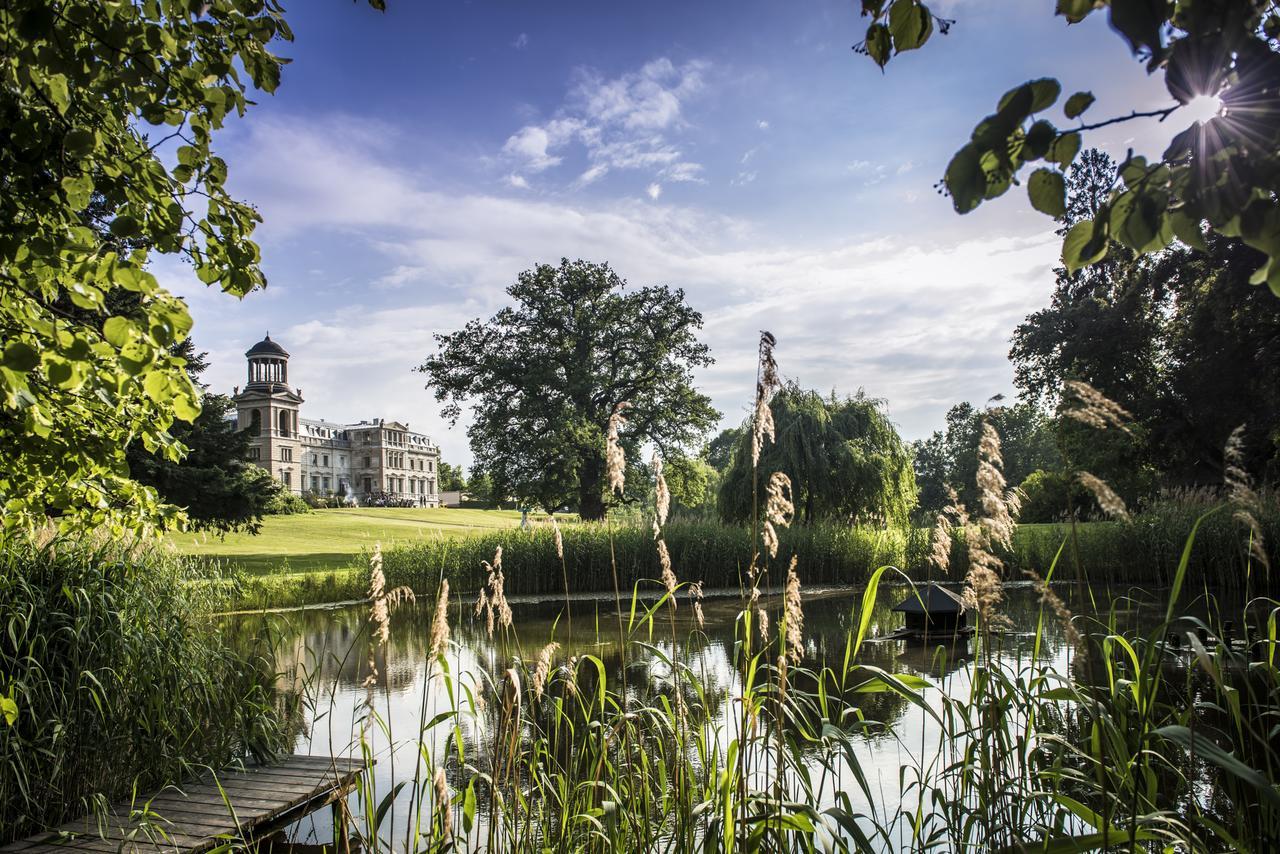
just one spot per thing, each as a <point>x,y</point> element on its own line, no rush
<point>323,655</point>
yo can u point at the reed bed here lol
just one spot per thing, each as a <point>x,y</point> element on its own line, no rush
<point>113,675</point>
<point>1142,550</point>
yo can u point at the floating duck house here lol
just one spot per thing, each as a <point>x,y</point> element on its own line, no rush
<point>933,610</point>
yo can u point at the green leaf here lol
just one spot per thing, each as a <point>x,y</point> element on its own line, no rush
<point>1075,11</point>
<point>1081,247</point>
<point>1139,21</point>
<point>9,708</point>
<point>1044,92</point>
<point>965,179</point>
<point>1206,749</point>
<point>118,331</point>
<point>1048,192</point>
<point>1038,139</point>
<point>910,24</point>
<point>1065,148</point>
<point>125,226</point>
<point>79,142</point>
<point>156,385</point>
<point>79,190</point>
<point>1078,103</point>
<point>20,356</point>
<point>1187,229</point>
<point>58,92</point>
<point>878,43</point>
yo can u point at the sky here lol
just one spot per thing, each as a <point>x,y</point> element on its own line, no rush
<point>413,162</point>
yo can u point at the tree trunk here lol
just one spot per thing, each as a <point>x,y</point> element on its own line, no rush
<point>590,480</point>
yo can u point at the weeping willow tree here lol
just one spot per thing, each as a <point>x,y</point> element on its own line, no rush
<point>845,459</point>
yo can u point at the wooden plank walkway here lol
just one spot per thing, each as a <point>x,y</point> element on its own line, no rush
<point>199,816</point>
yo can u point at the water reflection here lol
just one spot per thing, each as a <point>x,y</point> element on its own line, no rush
<point>323,656</point>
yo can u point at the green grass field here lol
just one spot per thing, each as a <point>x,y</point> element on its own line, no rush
<point>334,539</point>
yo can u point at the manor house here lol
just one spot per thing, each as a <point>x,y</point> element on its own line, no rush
<point>372,462</point>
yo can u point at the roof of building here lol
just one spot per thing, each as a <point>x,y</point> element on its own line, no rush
<point>931,599</point>
<point>267,347</point>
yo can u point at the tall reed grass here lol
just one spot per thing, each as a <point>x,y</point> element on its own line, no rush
<point>113,675</point>
<point>1143,550</point>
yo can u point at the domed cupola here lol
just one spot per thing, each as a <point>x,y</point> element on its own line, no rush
<point>268,364</point>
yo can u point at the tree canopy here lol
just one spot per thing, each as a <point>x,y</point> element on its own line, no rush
<point>949,457</point>
<point>1180,339</point>
<point>108,113</point>
<point>1223,172</point>
<point>545,375</point>
<point>845,459</point>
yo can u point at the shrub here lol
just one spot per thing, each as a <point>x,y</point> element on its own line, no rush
<point>286,504</point>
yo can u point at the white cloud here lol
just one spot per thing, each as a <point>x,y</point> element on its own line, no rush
<point>743,178</point>
<point>923,324</point>
<point>684,172</point>
<point>517,181</point>
<point>653,191</point>
<point>521,41</point>
<point>763,124</point>
<point>621,123</point>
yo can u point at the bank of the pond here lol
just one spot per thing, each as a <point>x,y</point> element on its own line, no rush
<point>1144,550</point>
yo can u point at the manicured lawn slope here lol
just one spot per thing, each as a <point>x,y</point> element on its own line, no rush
<point>332,539</point>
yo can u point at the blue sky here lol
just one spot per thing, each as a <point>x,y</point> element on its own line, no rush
<point>413,162</point>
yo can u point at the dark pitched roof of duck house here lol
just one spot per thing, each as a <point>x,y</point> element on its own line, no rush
<point>936,600</point>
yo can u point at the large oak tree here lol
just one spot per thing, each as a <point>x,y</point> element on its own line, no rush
<point>546,374</point>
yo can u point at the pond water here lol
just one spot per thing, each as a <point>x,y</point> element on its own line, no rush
<point>323,654</point>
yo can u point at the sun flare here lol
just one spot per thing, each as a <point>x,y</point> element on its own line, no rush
<point>1203,107</point>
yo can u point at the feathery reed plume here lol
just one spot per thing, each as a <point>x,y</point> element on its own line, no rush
<point>793,614</point>
<point>443,802</point>
<point>1090,406</point>
<point>762,621</point>
<point>662,495</point>
<point>492,600</point>
<point>615,458</point>
<point>1241,494</point>
<point>379,616</point>
<point>999,505</point>
<point>983,591</point>
<point>440,620</point>
<point>543,669</point>
<point>766,384</point>
<point>559,538</point>
<point>669,580</point>
<point>1111,504</point>
<point>1059,608</point>
<point>778,510</point>
<point>695,593</point>
<point>940,540</point>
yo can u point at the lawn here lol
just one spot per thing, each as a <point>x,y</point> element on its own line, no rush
<point>334,539</point>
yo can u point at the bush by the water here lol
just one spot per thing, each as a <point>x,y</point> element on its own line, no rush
<point>111,674</point>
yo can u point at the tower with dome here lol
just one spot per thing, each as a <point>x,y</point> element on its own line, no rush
<point>378,461</point>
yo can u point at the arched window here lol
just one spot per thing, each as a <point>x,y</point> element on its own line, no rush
<point>255,423</point>
<point>284,422</point>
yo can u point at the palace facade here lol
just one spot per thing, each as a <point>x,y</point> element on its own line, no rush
<point>372,462</point>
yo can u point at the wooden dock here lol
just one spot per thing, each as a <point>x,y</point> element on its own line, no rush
<point>232,806</point>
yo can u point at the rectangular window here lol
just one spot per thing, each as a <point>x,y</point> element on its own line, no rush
<point>368,485</point>
<point>326,460</point>
<point>286,455</point>
<point>288,479</point>
<point>255,453</point>
<point>315,483</point>
<point>368,461</point>
<point>313,459</point>
<point>326,484</point>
